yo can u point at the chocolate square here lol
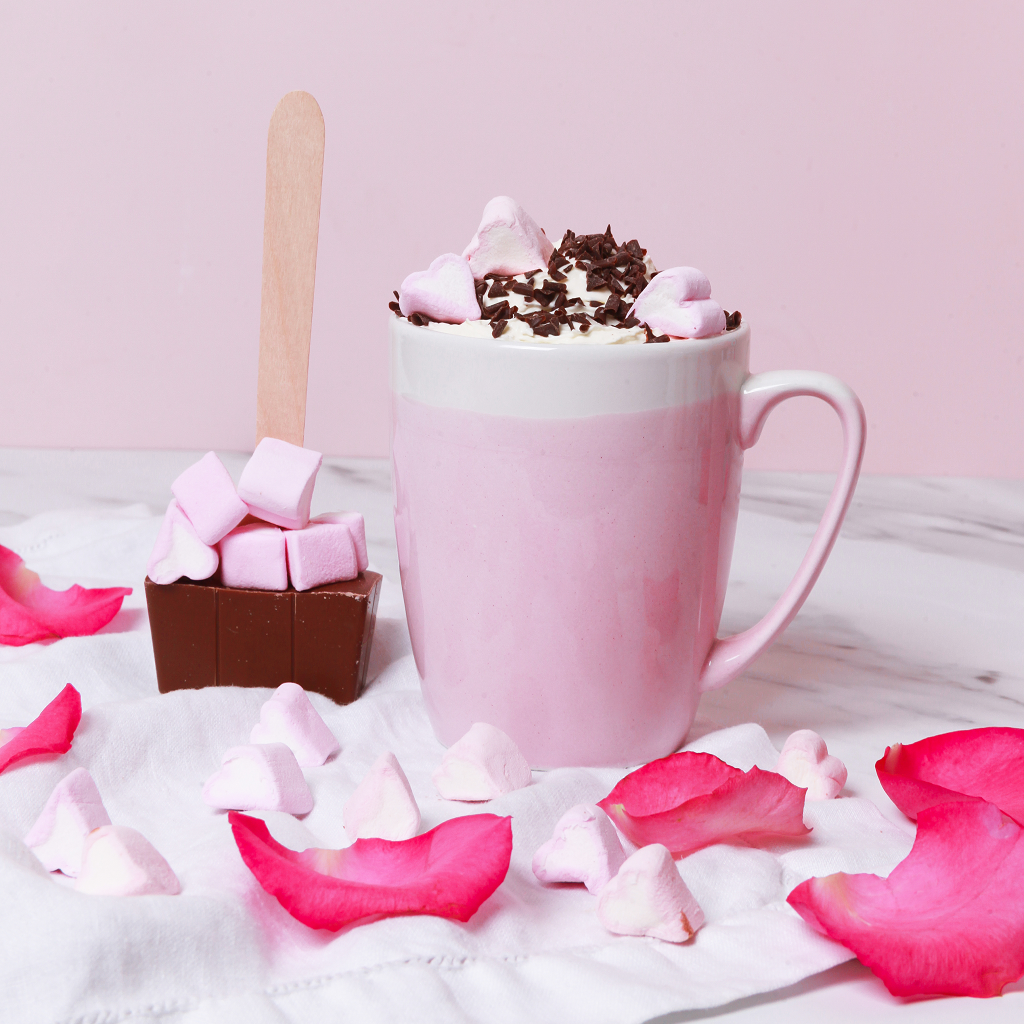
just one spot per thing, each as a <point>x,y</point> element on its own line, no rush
<point>205,634</point>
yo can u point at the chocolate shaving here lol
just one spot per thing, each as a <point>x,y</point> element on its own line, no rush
<point>733,320</point>
<point>394,307</point>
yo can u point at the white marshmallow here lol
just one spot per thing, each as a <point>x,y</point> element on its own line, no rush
<point>208,497</point>
<point>508,241</point>
<point>290,718</point>
<point>806,762</point>
<point>356,526</point>
<point>382,806</point>
<point>678,303</point>
<point>178,551</point>
<point>277,482</point>
<point>648,897</point>
<point>118,861</point>
<point>259,777</point>
<point>74,809</point>
<point>481,765</point>
<point>584,848</point>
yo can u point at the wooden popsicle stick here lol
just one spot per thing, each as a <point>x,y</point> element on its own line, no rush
<point>291,225</point>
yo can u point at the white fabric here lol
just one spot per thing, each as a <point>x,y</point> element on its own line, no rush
<point>225,951</point>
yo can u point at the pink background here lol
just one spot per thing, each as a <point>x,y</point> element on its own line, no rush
<point>848,175</point>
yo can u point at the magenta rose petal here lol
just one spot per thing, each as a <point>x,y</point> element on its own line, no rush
<point>448,871</point>
<point>688,800</point>
<point>49,733</point>
<point>29,611</point>
<point>949,919</point>
<point>980,764</point>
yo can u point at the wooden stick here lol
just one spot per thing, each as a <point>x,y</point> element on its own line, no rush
<point>291,224</point>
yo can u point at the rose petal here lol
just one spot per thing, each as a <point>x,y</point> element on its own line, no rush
<point>448,871</point>
<point>49,733</point>
<point>985,764</point>
<point>29,611</point>
<point>689,800</point>
<point>948,920</point>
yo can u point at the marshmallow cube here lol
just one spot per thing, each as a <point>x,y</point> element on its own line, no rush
<point>277,482</point>
<point>584,848</point>
<point>321,553</point>
<point>678,303</point>
<point>481,765</point>
<point>254,557</point>
<point>806,762</point>
<point>179,551</point>
<point>118,861</point>
<point>290,718</point>
<point>259,777</point>
<point>648,897</point>
<point>208,497</point>
<point>445,291</point>
<point>356,526</point>
<point>74,809</point>
<point>508,241</point>
<point>382,806</point>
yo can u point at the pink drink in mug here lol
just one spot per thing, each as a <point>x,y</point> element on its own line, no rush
<point>565,517</point>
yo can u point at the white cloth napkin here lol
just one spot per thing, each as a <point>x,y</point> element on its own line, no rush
<point>225,951</point>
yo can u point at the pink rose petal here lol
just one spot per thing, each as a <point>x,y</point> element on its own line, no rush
<point>983,764</point>
<point>49,733</point>
<point>689,800</point>
<point>448,871</point>
<point>29,611</point>
<point>949,919</point>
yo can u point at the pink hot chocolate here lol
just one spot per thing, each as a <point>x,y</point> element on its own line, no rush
<point>625,579</point>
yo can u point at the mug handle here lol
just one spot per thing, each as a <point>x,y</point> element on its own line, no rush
<point>759,394</point>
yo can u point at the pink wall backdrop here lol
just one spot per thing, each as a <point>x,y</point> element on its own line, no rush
<point>848,175</point>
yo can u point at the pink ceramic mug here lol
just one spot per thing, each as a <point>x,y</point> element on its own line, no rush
<point>565,518</point>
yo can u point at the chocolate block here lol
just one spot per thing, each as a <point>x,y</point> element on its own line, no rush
<point>205,634</point>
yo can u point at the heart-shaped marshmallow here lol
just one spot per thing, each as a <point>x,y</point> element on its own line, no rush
<point>259,777</point>
<point>290,718</point>
<point>584,848</point>
<point>481,765</point>
<point>118,861</point>
<point>648,897</point>
<point>678,303</point>
<point>74,809</point>
<point>178,551</point>
<point>508,241</point>
<point>806,762</point>
<point>445,291</point>
<point>382,806</point>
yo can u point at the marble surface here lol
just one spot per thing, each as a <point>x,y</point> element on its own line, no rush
<point>915,627</point>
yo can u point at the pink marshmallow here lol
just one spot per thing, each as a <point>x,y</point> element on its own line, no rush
<point>277,482</point>
<point>321,553</point>
<point>481,765</point>
<point>118,861</point>
<point>289,718</point>
<point>178,550</point>
<point>445,291</point>
<point>208,497</point>
<point>382,805</point>
<point>74,809</point>
<point>259,777</point>
<point>678,303</point>
<point>508,241</point>
<point>356,526</point>
<point>584,848</point>
<point>648,897</point>
<point>254,557</point>
<point>806,762</point>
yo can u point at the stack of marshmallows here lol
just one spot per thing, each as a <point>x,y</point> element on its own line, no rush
<point>209,524</point>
